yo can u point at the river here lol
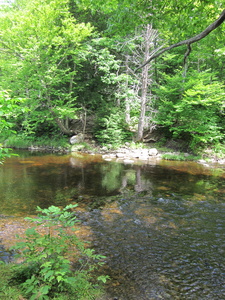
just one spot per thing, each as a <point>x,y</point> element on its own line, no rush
<point>161,224</point>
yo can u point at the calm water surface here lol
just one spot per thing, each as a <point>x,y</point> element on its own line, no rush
<point>161,225</point>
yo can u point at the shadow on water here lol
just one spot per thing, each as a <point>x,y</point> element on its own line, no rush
<point>161,226</point>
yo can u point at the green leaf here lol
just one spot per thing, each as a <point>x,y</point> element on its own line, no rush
<point>103,278</point>
<point>48,274</point>
<point>59,278</point>
<point>44,290</point>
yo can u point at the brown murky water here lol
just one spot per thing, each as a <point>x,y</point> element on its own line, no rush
<point>161,226</point>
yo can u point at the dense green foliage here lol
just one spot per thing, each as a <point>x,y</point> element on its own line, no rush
<point>73,67</point>
<point>192,109</point>
<point>46,271</point>
<point>9,109</point>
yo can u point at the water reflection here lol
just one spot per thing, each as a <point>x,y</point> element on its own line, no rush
<point>30,180</point>
<point>161,226</point>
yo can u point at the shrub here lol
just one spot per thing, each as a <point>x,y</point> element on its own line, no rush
<point>46,271</point>
<point>112,129</point>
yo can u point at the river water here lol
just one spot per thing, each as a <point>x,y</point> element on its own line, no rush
<point>161,224</point>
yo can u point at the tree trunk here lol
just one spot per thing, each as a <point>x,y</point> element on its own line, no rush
<point>144,84</point>
<point>127,100</point>
<point>63,127</point>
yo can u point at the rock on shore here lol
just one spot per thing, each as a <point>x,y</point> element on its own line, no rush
<point>131,155</point>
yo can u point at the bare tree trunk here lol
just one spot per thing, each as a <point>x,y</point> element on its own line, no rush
<point>127,101</point>
<point>84,120</point>
<point>144,90</point>
<point>145,45</point>
<point>144,85</point>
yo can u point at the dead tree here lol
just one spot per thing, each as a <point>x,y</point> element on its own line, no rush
<point>189,41</point>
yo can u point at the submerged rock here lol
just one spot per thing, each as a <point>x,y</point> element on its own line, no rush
<point>6,255</point>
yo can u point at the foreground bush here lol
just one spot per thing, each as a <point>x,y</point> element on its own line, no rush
<point>46,272</point>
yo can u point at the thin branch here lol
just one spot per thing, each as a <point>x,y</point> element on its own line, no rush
<point>187,53</point>
<point>190,41</point>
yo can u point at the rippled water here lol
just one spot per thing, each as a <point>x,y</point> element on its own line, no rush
<point>161,226</point>
<point>165,248</point>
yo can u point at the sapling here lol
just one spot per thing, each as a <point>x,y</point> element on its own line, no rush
<point>46,271</point>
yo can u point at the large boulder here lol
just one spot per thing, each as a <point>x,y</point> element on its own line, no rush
<point>76,139</point>
<point>153,152</point>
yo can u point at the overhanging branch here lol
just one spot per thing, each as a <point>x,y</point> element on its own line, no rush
<point>190,41</point>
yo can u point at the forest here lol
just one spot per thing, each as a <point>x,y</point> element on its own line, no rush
<point>115,71</point>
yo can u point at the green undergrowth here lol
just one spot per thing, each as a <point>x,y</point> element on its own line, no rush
<point>24,142</point>
<point>7,289</point>
<point>180,157</point>
<point>55,264</point>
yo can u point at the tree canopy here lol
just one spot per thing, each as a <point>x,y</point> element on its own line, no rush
<point>97,67</point>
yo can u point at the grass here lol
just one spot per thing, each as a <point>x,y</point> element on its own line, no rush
<point>180,157</point>
<point>24,142</point>
<point>8,290</point>
<point>46,143</point>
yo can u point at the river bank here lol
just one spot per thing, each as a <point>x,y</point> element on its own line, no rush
<point>130,152</point>
<point>134,153</point>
